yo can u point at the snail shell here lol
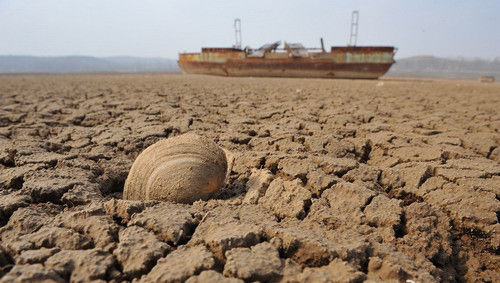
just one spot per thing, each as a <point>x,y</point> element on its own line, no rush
<point>181,169</point>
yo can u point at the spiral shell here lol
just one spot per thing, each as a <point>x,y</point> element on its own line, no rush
<point>182,169</point>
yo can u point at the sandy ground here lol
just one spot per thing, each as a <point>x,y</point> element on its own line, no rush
<point>348,181</point>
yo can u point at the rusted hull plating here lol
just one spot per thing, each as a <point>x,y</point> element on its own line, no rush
<point>271,69</point>
<point>341,62</point>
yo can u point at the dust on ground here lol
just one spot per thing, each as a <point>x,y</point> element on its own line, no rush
<point>343,180</point>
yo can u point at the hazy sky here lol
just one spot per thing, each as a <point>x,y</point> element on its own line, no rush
<point>163,28</point>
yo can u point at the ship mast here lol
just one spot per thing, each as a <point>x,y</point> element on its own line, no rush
<point>237,33</point>
<point>353,38</point>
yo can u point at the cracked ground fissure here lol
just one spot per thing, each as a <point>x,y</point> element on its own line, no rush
<point>344,178</point>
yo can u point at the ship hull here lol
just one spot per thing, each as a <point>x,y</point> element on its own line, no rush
<point>341,62</point>
<point>297,70</point>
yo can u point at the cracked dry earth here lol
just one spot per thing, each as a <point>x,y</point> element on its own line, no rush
<point>333,180</point>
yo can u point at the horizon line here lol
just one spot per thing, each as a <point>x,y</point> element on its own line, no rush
<point>497,58</point>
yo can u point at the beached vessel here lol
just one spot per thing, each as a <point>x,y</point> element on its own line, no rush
<point>354,62</point>
<point>293,60</point>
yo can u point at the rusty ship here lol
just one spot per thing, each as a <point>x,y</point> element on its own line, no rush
<point>293,60</point>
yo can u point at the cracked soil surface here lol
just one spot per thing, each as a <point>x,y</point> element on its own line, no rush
<point>333,180</point>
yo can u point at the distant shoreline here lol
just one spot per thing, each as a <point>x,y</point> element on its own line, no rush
<point>88,73</point>
<point>417,66</point>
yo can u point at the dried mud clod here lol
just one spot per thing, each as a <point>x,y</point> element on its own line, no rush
<point>325,179</point>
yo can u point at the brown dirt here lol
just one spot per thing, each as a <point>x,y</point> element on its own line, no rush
<point>333,180</point>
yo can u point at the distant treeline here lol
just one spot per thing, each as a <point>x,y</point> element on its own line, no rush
<point>85,64</point>
<point>429,66</point>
